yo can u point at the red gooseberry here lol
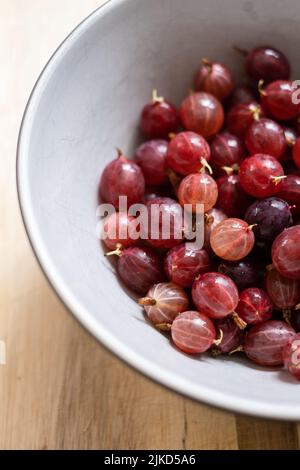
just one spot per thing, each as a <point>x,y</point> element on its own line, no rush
<point>291,356</point>
<point>277,100</point>
<point>117,231</point>
<point>214,78</point>
<point>232,239</point>
<point>254,306</point>
<point>286,252</point>
<point>188,152</point>
<point>192,332</point>
<point>241,116</point>
<point>266,136</point>
<point>158,118</point>
<point>151,157</point>
<point>196,189</point>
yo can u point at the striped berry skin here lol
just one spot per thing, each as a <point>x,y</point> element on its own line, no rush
<point>284,293</point>
<point>192,332</point>
<point>140,268</point>
<point>267,63</point>
<point>226,150</point>
<point>266,136</point>
<point>184,262</point>
<point>254,306</point>
<point>261,175</point>
<point>158,119</point>
<point>187,153</point>
<point>163,302</point>
<point>241,116</point>
<point>202,113</point>
<point>277,100</point>
<point>198,188</point>
<point>291,356</point>
<point>151,157</point>
<point>264,343</point>
<point>214,78</point>
<point>232,239</point>
<point>122,177</point>
<point>215,295</point>
<point>211,220</point>
<point>286,252</point>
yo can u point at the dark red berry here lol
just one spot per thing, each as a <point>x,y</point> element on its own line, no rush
<point>266,136</point>
<point>261,175</point>
<point>151,157</point>
<point>159,118</point>
<point>268,64</point>
<point>232,199</point>
<point>188,152</point>
<point>241,116</point>
<point>214,78</point>
<point>277,100</point>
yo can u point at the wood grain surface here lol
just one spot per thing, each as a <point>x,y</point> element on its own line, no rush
<point>60,389</point>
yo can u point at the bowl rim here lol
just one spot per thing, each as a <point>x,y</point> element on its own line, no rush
<point>145,366</point>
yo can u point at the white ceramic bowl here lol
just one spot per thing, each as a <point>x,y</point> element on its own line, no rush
<point>86,102</point>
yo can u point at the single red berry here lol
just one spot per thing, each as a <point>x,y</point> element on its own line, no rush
<point>227,150</point>
<point>290,192</point>
<point>202,113</point>
<point>192,332</point>
<point>277,100</point>
<point>254,306</point>
<point>117,231</point>
<point>286,252</point>
<point>264,343</point>
<point>261,175</point>
<point>232,239</point>
<point>151,157</point>
<point>198,188</point>
<point>139,268</point>
<point>159,118</point>
<point>122,177</point>
<point>188,152</point>
<point>284,293</point>
<point>215,295</point>
<point>163,302</point>
<point>266,136</point>
<point>267,63</point>
<point>291,356</point>
<point>241,116</point>
<point>185,262</point>
<point>232,199</point>
<point>214,78</point>
<point>162,226</point>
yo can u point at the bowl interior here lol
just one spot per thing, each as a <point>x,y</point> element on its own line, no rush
<point>85,104</point>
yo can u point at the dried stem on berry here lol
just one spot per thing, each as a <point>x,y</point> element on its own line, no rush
<point>238,321</point>
<point>241,51</point>
<point>146,301</point>
<point>117,251</point>
<point>163,326</point>
<point>156,98</point>
<point>286,314</point>
<point>260,88</point>
<point>238,349</point>
<point>218,341</point>
<point>277,179</point>
<point>205,165</point>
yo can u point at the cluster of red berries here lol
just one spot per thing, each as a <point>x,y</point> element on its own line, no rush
<point>236,150</point>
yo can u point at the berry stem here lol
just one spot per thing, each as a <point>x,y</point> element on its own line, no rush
<point>117,251</point>
<point>241,51</point>
<point>155,97</point>
<point>238,321</point>
<point>286,314</point>
<point>238,349</point>
<point>228,170</point>
<point>277,179</point>
<point>215,352</point>
<point>218,341</point>
<point>146,301</point>
<point>207,62</point>
<point>209,219</point>
<point>261,91</point>
<point>163,326</point>
<point>251,227</point>
<point>119,152</point>
<point>205,165</point>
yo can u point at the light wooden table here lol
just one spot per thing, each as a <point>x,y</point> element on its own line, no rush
<point>60,389</point>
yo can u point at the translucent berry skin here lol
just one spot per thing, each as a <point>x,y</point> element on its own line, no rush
<point>266,136</point>
<point>198,188</point>
<point>211,220</point>
<point>214,78</point>
<point>226,150</point>
<point>192,332</point>
<point>215,295</point>
<point>242,94</point>
<point>233,336</point>
<point>158,119</point>
<point>232,239</point>
<point>265,342</point>
<point>243,273</point>
<point>284,292</point>
<point>202,113</point>
<point>187,152</point>
<point>163,208</point>
<point>184,262</point>
<point>232,199</point>
<point>151,157</point>
<point>255,306</point>
<point>276,99</point>
<point>268,64</point>
<point>286,253</point>
<point>140,268</point>
<point>241,116</point>
<point>270,217</point>
<point>117,230</point>
<point>296,152</point>
<point>290,192</point>
<point>291,356</point>
<point>168,299</point>
<point>122,177</point>
<point>257,175</point>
